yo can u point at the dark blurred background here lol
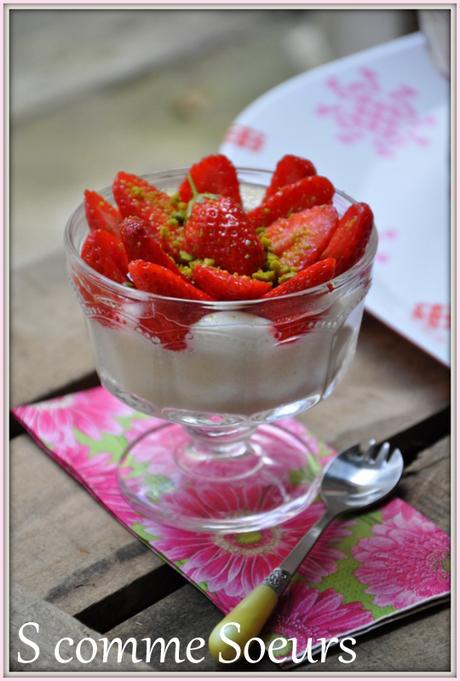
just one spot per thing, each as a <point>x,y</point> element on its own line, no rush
<point>96,91</point>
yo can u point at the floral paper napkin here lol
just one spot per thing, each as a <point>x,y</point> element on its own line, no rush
<point>361,572</point>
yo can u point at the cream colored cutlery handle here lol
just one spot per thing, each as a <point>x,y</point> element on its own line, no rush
<point>242,623</point>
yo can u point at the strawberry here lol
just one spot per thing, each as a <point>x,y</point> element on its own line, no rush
<point>300,238</point>
<point>293,317</point>
<point>288,170</point>
<point>141,245</point>
<point>172,319</point>
<point>222,285</point>
<point>219,229</point>
<point>100,214</point>
<point>306,193</point>
<point>350,238</point>
<point>136,196</point>
<point>316,274</point>
<point>153,278</point>
<point>213,174</point>
<point>106,254</point>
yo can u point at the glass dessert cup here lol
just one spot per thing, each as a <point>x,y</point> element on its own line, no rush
<point>221,374</point>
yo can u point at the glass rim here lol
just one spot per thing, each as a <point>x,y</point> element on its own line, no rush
<point>337,282</point>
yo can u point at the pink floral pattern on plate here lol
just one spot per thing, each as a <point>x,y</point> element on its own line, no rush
<point>387,561</point>
<point>364,110</point>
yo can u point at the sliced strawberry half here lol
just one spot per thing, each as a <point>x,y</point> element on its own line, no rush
<point>292,317</point>
<point>140,244</point>
<point>316,274</point>
<point>215,175</point>
<point>349,240</point>
<point>172,319</point>
<point>299,239</point>
<point>153,278</point>
<point>219,229</point>
<point>135,196</point>
<point>223,285</point>
<point>106,254</point>
<point>289,169</point>
<point>306,193</point>
<point>100,214</point>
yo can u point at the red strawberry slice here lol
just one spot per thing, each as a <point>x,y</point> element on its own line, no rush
<point>141,245</point>
<point>153,278</point>
<point>219,229</point>
<point>222,285</point>
<point>300,238</point>
<point>349,240</point>
<point>306,193</point>
<point>316,274</point>
<point>289,169</point>
<point>136,196</point>
<point>215,175</point>
<point>100,214</point>
<point>172,319</point>
<point>292,317</point>
<point>106,254</point>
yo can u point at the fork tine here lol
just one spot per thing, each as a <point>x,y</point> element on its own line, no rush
<point>368,448</point>
<point>383,453</point>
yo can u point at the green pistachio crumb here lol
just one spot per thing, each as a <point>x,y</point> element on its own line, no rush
<point>265,241</point>
<point>186,270</point>
<point>175,199</point>
<point>164,232</point>
<point>137,192</point>
<point>209,262</point>
<point>172,221</point>
<point>260,230</point>
<point>287,276</point>
<point>186,257</point>
<point>128,284</point>
<point>264,276</point>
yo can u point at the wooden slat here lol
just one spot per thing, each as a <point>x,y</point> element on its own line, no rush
<point>49,345</point>
<point>54,624</point>
<point>64,546</point>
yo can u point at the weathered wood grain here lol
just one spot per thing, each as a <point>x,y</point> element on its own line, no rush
<point>64,546</point>
<point>53,625</point>
<point>49,345</point>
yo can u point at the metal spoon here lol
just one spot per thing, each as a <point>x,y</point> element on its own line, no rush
<point>356,478</point>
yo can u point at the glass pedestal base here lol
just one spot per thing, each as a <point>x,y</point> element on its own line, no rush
<point>262,482</point>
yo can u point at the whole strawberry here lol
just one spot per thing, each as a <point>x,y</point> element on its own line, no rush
<point>219,229</point>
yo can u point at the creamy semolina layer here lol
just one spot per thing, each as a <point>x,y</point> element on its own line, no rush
<point>232,364</point>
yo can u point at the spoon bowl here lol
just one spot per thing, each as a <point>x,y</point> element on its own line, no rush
<point>360,476</point>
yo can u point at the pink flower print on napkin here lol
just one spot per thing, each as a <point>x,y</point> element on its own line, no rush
<point>236,563</point>
<point>405,561</point>
<point>366,111</point>
<point>91,412</point>
<point>99,474</point>
<point>306,613</point>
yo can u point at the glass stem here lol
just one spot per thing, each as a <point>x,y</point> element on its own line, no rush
<point>219,443</point>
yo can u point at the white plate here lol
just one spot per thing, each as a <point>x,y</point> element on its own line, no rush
<point>376,124</point>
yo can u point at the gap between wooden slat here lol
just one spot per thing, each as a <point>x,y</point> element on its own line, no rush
<point>131,599</point>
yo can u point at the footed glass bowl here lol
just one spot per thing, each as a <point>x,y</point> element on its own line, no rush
<point>221,374</point>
